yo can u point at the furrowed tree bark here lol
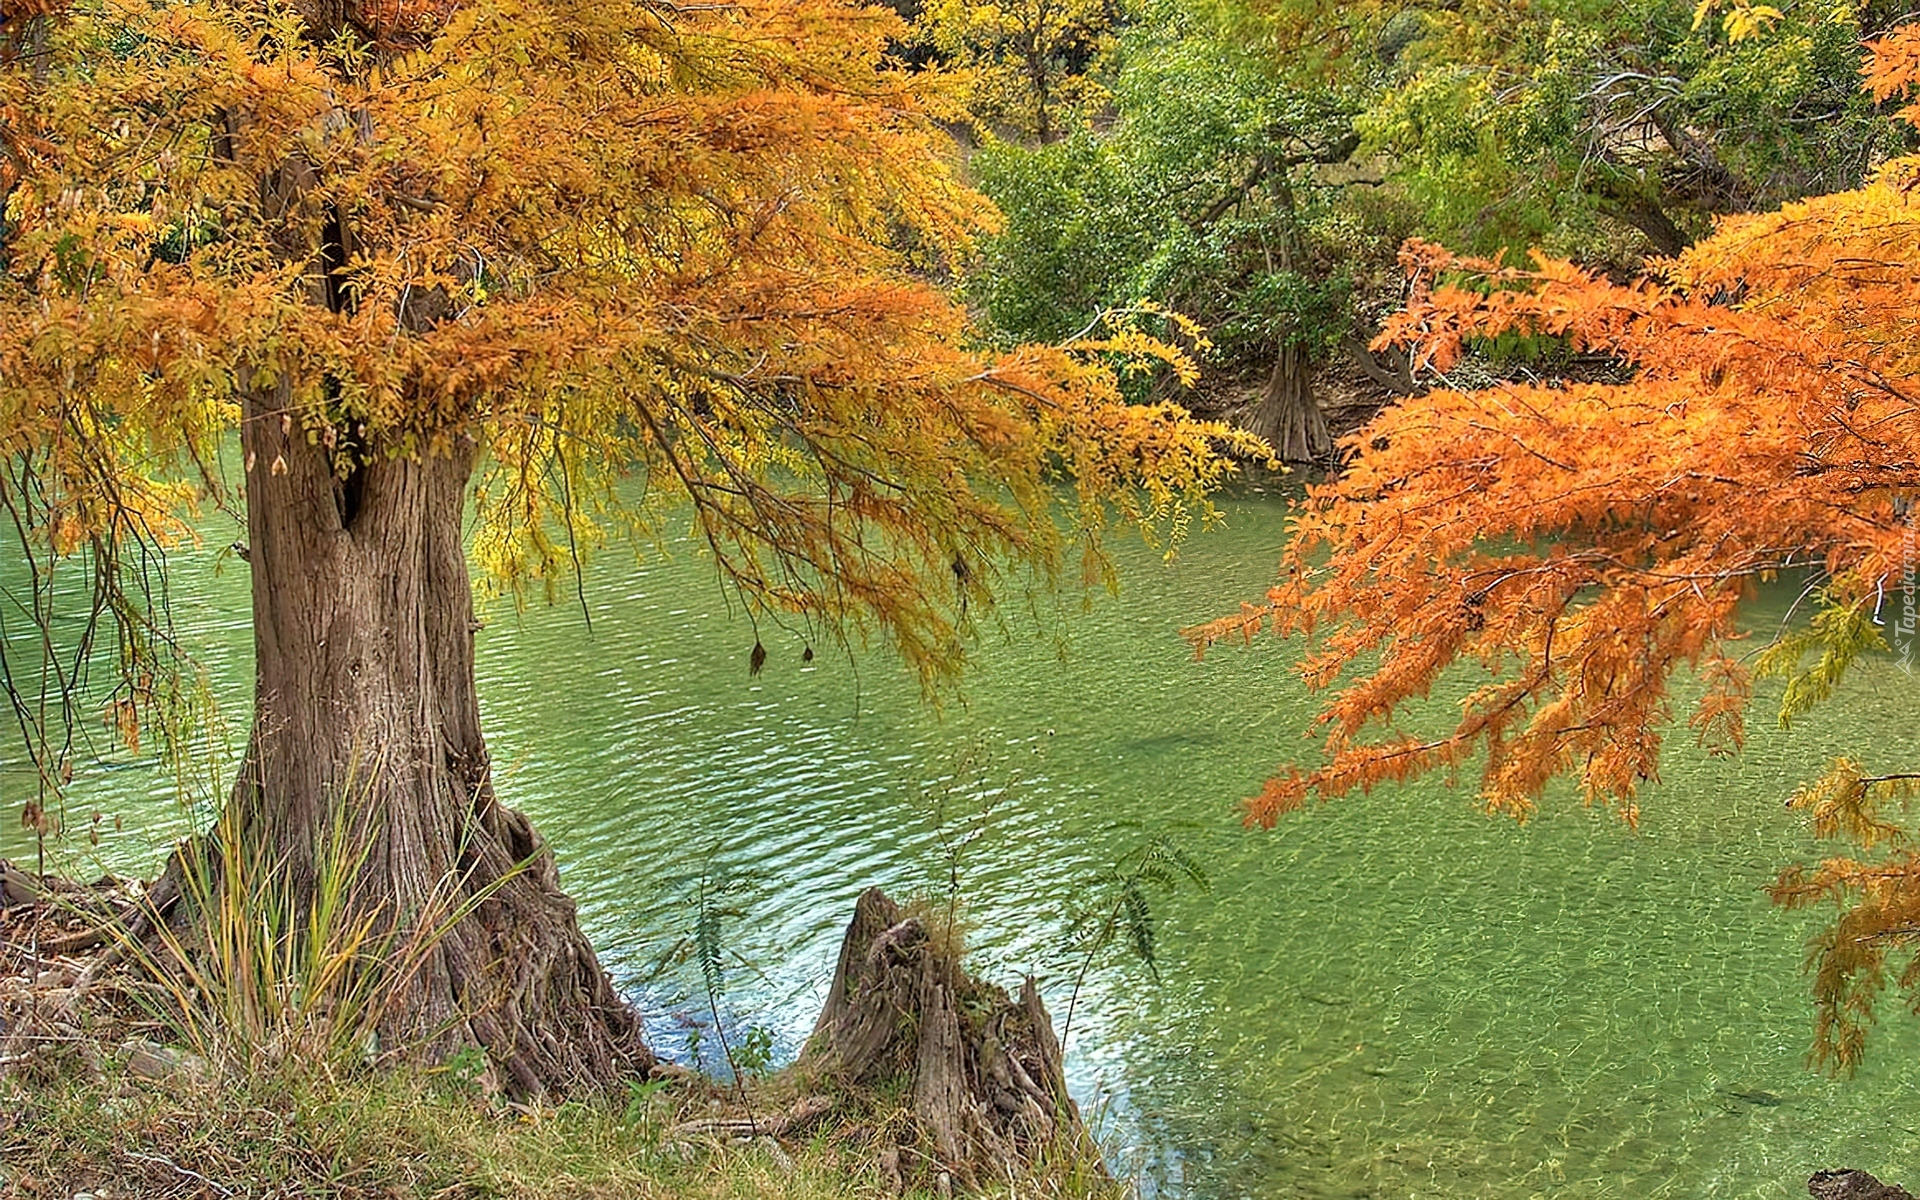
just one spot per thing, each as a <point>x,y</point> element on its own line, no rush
<point>1392,369</point>
<point>1287,414</point>
<point>366,721</point>
<point>364,698</point>
<point>1636,201</point>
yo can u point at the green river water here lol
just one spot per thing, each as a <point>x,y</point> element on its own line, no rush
<point>1394,996</point>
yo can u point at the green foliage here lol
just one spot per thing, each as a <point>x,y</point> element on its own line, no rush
<point>464,1069</point>
<point>1119,909</point>
<point>1567,126</point>
<point>641,1097</point>
<point>1199,193</point>
<point>1160,863</point>
<point>1220,274</point>
<point>1786,107</point>
<point>1115,907</point>
<point>1069,233</point>
<point>1838,634</point>
<point>1582,129</point>
<point>1483,156</point>
<point>714,898</point>
<point>709,926</point>
<point>754,1054</point>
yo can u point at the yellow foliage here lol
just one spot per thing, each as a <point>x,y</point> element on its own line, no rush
<point>1844,803</point>
<point>1742,19</point>
<point>1022,63</point>
<point>614,242</point>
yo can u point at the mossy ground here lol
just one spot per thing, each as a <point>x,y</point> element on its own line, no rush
<point>391,1134</point>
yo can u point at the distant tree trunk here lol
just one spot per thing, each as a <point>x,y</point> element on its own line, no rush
<point>1392,368</point>
<point>1288,415</point>
<point>1641,212</point>
<point>364,697</point>
<point>1034,51</point>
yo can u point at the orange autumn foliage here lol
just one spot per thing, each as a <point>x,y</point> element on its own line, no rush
<point>1581,543</point>
<point>608,240</point>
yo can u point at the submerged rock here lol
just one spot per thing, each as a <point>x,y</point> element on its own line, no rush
<point>1853,1185</point>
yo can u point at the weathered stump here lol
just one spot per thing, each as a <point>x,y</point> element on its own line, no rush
<point>982,1071</point>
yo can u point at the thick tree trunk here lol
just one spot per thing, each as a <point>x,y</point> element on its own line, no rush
<point>984,1071</point>
<point>363,631</point>
<point>1288,416</point>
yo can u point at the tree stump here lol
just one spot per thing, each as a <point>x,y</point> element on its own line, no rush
<point>982,1071</point>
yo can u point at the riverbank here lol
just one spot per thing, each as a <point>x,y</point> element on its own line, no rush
<point>99,1097</point>
<point>92,1125</point>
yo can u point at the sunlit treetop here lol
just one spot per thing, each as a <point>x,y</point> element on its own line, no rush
<point>1597,131</point>
<point>638,253</point>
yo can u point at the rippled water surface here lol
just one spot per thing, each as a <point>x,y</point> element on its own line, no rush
<point>1393,996</point>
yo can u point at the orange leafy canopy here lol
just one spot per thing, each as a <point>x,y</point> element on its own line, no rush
<point>1582,542</point>
<point>604,239</point>
<point>1893,69</point>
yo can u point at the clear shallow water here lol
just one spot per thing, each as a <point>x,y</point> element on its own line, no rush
<point>1393,996</point>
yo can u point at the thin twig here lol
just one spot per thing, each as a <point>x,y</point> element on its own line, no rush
<point>163,1161</point>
